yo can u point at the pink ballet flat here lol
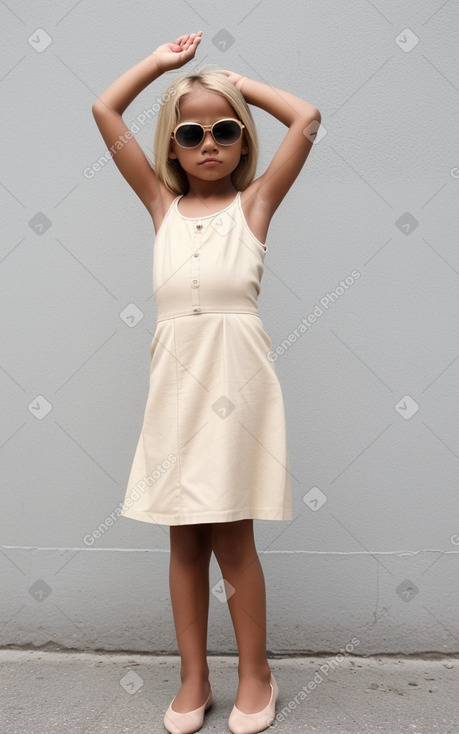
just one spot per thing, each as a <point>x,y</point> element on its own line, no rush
<point>241,723</point>
<point>189,722</point>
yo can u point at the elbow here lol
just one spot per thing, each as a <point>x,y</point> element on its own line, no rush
<point>315,115</point>
<point>98,107</point>
<point>309,113</point>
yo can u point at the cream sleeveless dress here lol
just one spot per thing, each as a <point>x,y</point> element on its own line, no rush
<point>212,447</point>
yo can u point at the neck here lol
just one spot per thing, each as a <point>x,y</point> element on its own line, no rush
<point>199,189</point>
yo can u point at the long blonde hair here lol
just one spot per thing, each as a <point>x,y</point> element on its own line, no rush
<point>169,170</point>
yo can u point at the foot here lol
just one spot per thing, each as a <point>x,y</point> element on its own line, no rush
<point>192,694</point>
<point>253,693</point>
<point>191,720</point>
<point>257,721</point>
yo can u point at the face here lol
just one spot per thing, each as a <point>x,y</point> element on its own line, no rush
<point>207,107</point>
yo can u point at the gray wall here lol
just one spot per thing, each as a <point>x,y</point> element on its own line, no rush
<point>371,388</point>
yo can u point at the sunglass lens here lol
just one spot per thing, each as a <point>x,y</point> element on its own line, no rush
<point>227,132</point>
<point>189,135</point>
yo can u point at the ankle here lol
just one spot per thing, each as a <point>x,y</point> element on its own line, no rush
<point>262,671</point>
<point>195,674</point>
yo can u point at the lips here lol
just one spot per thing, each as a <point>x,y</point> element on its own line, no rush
<point>208,160</point>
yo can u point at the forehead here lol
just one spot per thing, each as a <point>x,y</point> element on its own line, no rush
<point>205,106</point>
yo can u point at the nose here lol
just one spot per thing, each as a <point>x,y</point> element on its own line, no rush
<point>208,139</point>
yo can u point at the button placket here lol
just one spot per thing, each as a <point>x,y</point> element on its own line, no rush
<point>196,267</point>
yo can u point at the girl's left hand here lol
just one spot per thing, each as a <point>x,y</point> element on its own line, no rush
<point>236,79</point>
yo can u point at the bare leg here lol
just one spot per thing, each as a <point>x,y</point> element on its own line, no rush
<point>191,549</point>
<point>234,547</point>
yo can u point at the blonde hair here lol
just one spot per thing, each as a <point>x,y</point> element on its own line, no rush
<point>169,170</point>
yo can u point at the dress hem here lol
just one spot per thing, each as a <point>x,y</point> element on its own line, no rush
<point>273,514</point>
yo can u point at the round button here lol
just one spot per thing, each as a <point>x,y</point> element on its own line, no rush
<point>195,308</point>
<point>196,254</point>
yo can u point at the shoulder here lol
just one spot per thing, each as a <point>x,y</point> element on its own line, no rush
<point>161,205</point>
<point>256,213</point>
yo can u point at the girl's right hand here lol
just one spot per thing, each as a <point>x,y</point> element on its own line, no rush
<point>174,55</point>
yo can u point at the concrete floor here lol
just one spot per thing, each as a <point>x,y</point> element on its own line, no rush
<point>52,692</point>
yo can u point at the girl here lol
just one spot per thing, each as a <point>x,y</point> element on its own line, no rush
<point>212,453</point>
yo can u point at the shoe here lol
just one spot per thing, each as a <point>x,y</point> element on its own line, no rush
<point>189,722</point>
<point>241,723</point>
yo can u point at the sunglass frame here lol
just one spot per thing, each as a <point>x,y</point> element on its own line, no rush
<point>204,128</point>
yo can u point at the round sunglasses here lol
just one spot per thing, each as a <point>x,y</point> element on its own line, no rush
<point>224,132</point>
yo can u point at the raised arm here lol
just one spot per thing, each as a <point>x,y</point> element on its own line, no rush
<point>109,107</point>
<point>302,119</point>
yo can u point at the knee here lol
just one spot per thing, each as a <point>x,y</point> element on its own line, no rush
<point>190,544</point>
<point>230,545</point>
